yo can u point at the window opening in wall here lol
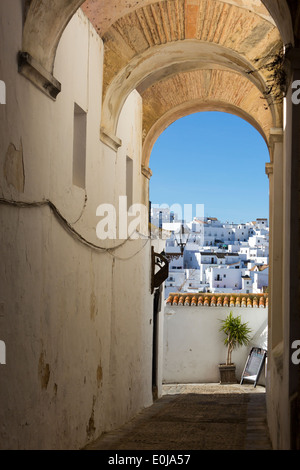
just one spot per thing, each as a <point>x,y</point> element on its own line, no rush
<point>79,146</point>
<point>129,181</point>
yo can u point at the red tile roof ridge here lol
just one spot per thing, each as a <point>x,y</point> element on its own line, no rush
<point>219,299</point>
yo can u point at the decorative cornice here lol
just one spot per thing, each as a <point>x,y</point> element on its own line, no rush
<point>269,169</point>
<point>110,140</point>
<point>38,75</point>
<point>146,172</point>
<point>276,135</point>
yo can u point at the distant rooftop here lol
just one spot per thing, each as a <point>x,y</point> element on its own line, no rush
<point>218,254</point>
<point>260,268</point>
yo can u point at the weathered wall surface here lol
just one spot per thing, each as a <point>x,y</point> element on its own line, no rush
<point>194,346</point>
<point>71,311</point>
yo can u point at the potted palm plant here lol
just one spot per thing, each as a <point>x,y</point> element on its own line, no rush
<point>237,334</point>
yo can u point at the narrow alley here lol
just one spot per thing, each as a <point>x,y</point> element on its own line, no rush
<point>196,417</point>
<point>87,88</point>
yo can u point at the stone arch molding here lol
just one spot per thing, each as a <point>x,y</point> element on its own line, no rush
<point>43,27</point>
<point>170,60</point>
<point>202,90</point>
<point>161,57</point>
<point>166,38</point>
<point>187,109</point>
<point>45,22</point>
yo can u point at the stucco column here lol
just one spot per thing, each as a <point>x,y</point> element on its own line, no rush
<point>275,170</point>
<point>277,221</point>
<point>269,172</point>
<point>283,376</point>
<point>292,318</point>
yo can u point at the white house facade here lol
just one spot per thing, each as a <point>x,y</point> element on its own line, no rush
<point>217,257</point>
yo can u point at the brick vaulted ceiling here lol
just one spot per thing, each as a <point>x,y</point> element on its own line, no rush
<point>103,13</point>
<point>185,56</point>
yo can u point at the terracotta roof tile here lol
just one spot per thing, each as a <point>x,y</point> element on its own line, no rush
<point>222,300</point>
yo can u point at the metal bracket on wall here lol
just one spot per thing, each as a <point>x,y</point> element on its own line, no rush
<point>158,277</point>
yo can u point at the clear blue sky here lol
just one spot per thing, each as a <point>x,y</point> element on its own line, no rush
<point>215,159</point>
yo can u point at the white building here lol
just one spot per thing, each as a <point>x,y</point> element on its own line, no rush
<point>219,255</point>
<point>224,279</point>
<point>161,215</point>
<point>260,277</point>
<point>247,283</point>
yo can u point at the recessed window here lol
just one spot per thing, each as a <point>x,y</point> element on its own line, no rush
<point>79,147</point>
<point>129,181</point>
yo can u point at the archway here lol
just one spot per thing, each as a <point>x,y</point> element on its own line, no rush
<point>143,29</point>
<point>218,151</point>
<point>41,42</point>
<point>215,159</point>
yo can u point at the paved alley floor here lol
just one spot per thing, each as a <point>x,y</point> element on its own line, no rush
<point>196,417</point>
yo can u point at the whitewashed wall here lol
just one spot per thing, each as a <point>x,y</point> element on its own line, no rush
<point>70,314</point>
<point>193,344</point>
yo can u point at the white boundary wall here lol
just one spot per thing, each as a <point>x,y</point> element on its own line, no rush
<point>194,346</point>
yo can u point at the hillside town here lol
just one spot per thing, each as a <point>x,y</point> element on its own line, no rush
<point>206,255</point>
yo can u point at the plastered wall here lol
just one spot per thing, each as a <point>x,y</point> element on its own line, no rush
<point>194,346</point>
<point>71,311</point>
